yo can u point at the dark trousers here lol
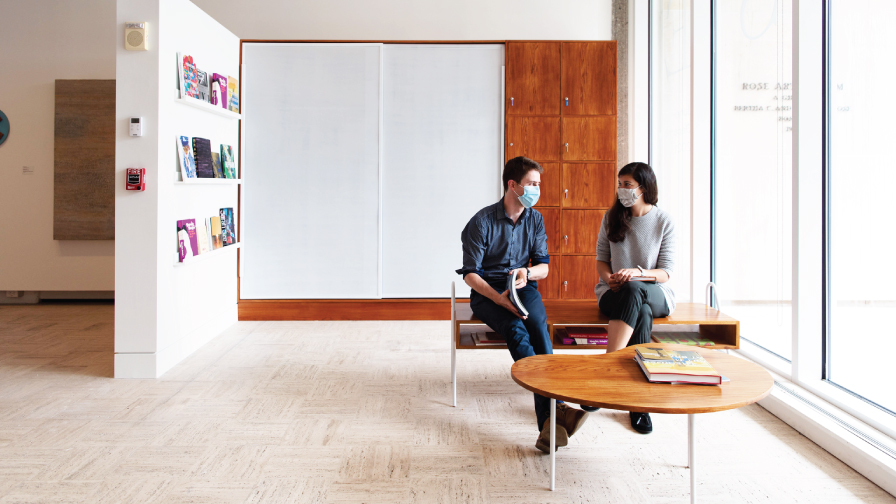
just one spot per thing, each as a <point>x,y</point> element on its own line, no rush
<point>636,304</point>
<point>524,337</point>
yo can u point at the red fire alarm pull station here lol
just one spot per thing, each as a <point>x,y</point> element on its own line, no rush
<point>136,179</point>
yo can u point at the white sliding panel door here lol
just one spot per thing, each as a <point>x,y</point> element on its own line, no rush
<point>311,171</point>
<point>442,153</point>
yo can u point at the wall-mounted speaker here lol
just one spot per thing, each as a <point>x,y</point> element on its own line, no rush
<point>135,36</point>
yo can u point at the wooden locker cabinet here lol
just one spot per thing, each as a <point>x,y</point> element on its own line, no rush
<point>552,228</point>
<point>549,287</point>
<point>550,186</point>
<point>588,78</point>
<point>578,184</point>
<point>588,185</point>
<point>532,78</point>
<point>536,137</point>
<point>578,275</point>
<point>579,229</point>
<point>589,138</point>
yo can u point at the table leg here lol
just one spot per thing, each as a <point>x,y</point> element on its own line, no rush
<point>453,370</point>
<point>692,444</point>
<point>553,440</point>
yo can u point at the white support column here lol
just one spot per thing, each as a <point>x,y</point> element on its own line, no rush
<point>692,454</point>
<point>701,138</point>
<point>553,440</point>
<point>453,348</point>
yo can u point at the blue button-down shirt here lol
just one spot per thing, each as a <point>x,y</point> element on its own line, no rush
<point>494,245</point>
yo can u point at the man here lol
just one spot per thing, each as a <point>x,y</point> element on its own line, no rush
<point>503,239</point>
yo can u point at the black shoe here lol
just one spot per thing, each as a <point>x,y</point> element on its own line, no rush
<point>589,409</point>
<point>641,422</point>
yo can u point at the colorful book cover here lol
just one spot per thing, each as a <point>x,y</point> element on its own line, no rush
<point>216,164</point>
<point>219,90</point>
<point>189,84</point>
<point>202,85</point>
<point>227,159</point>
<point>233,94</point>
<point>672,365</point>
<point>227,226</point>
<point>183,245</point>
<point>202,149</point>
<point>584,341</point>
<point>216,232</point>
<point>189,225</point>
<point>187,163</point>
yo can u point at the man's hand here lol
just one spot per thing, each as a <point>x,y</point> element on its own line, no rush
<point>520,277</point>
<point>504,301</point>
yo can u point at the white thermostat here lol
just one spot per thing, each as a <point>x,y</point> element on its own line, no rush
<point>136,126</point>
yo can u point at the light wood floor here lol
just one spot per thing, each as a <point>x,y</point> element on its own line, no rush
<point>349,412</point>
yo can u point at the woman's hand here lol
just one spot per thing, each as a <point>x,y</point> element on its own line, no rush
<point>625,274</point>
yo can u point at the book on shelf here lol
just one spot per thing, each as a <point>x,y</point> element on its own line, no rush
<point>202,83</point>
<point>202,151</point>
<point>489,338</point>
<point>216,165</point>
<point>227,225</point>
<point>584,341</point>
<point>511,293</point>
<point>228,161</point>
<point>219,90</point>
<point>587,332</point>
<point>233,94</point>
<point>682,338</point>
<point>675,366</point>
<point>186,76</point>
<point>187,241</point>
<point>185,154</point>
<point>216,232</point>
<point>202,237</point>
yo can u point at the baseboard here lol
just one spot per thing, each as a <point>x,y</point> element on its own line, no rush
<point>77,294</point>
<point>862,455</point>
<point>346,309</point>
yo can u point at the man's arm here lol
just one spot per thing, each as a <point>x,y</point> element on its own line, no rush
<point>481,286</point>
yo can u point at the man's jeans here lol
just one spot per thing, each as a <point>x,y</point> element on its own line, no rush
<point>524,337</point>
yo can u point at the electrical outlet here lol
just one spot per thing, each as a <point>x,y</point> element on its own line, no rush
<point>12,293</point>
<point>27,170</point>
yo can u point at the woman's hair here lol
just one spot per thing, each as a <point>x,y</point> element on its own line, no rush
<point>619,216</point>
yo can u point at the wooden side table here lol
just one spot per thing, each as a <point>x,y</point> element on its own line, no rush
<point>616,381</point>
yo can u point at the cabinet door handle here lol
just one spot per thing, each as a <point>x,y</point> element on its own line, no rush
<point>567,101</point>
<point>511,101</point>
<point>565,191</point>
<point>567,146</point>
<point>564,286</point>
<point>565,239</point>
<point>511,144</point>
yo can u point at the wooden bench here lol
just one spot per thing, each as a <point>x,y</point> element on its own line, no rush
<point>712,324</point>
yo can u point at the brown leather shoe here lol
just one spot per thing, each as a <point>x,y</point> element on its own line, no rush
<point>570,418</point>
<point>543,442</point>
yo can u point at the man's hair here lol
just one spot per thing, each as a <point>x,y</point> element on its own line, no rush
<point>517,168</point>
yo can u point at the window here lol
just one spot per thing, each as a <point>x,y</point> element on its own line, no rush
<point>753,219</point>
<point>862,298</point>
<point>670,124</point>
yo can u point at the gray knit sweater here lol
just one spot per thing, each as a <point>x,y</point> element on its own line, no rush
<point>649,243</point>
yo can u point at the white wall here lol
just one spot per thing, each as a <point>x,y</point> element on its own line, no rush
<point>415,19</point>
<point>164,311</point>
<point>45,40</point>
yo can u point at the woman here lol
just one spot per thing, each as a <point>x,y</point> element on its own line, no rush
<point>636,239</point>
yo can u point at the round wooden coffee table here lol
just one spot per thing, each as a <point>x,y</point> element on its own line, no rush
<point>615,381</point>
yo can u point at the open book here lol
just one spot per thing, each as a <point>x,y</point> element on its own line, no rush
<point>514,298</point>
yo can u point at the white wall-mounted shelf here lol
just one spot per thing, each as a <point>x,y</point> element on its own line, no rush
<point>205,181</point>
<point>206,255</point>
<point>208,107</point>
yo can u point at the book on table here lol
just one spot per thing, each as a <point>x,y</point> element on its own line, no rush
<point>682,338</point>
<point>675,366</point>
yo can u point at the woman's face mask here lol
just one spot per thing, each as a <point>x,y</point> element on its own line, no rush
<point>627,196</point>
